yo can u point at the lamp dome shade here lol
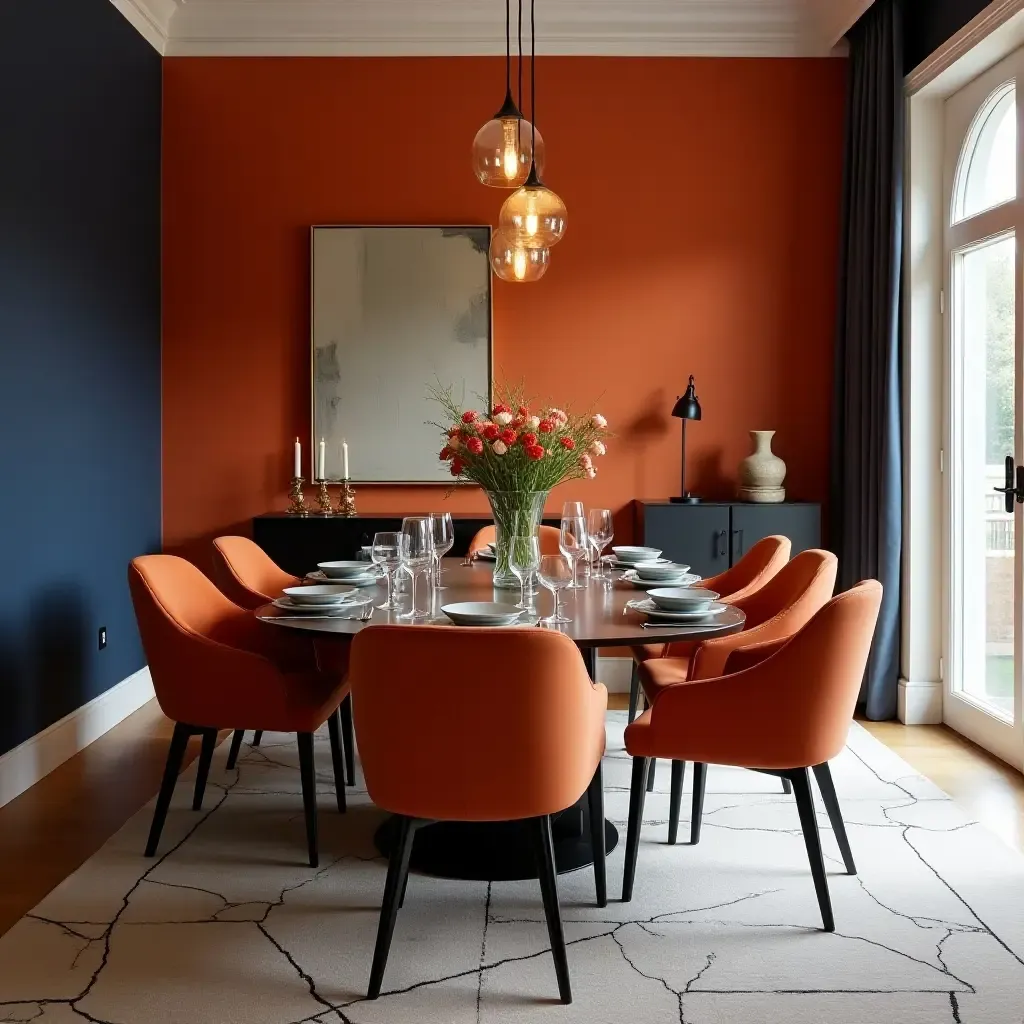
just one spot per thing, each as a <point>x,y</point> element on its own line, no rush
<point>687,407</point>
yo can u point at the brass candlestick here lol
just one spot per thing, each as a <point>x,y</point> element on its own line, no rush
<point>347,500</point>
<point>323,499</point>
<point>298,505</point>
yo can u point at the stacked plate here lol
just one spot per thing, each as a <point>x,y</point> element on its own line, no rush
<point>645,575</point>
<point>353,574</point>
<point>487,554</point>
<point>482,613</point>
<point>680,604</point>
<point>623,557</point>
<point>318,600</point>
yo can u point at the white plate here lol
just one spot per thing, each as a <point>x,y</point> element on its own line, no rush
<point>486,555</point>
<point>616,563</point>
<point>660,569</point>
<point>682,599</point>
<point>318,596</point>
<point>342,608</point>
<point>368,580</point>
<point>632,555</point>
<point>481,613</point>
<point>342,570</point>
<point>685,580</point>
<point>650,611</point>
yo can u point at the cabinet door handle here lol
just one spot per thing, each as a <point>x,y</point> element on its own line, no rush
<point>723,543</point>
<point>738,548</point>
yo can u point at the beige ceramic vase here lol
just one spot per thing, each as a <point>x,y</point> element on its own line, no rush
<point>762,474</point>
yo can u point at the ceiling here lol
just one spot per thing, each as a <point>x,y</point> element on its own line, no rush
<point>713,28</point>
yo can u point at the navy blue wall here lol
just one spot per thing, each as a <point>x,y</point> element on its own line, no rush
<point>929,23</point>
<point>80,95</point>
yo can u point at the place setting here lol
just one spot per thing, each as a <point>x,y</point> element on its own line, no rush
<point>321,601</point>
<point>666,606</point>
<point>351,573</point>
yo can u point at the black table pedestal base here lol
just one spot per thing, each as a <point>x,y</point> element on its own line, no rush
<point>494,851</point>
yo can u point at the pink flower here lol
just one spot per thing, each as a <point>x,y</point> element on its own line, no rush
<point>470,417</point>
<point>591,473</point>
<point>503,419</point>
<point>499,448</point>
<point>534,451</point>
<point>567,443</point>
<point>475,445</point>
<point>558,416</point>
<point>585,462</point>
<point>598,448</point>
<point>599,421</point>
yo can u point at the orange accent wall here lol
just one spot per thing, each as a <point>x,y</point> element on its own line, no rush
<point>703,197</point>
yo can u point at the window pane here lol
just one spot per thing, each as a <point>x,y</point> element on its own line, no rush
<point>987,175</point>
<point>985,316</point>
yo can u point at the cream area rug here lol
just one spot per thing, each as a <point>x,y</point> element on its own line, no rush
<point>228,924</point>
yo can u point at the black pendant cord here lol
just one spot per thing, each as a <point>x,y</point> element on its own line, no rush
<point>520,55</point>
<point>508,46</point>
<point>533,178</point>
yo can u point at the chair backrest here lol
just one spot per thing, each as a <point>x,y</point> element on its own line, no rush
<point>764,559</point>
<point>246,574</point>
<point>775,611</point>
<point>792,710</point>
<point>474,724</point>
<point>548,537</point>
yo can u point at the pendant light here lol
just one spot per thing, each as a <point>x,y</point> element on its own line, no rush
<point>533,216</point>
<point>516,263</point>
<point>506,147</point>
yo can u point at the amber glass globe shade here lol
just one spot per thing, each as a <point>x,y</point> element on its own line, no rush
<point>534,217</point>
<point>503,151</point>
<point>516,263</point>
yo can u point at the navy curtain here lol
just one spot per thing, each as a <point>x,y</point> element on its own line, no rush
<point>866,511</point>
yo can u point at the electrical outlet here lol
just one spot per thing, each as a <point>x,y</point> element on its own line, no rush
<point>103,637</point>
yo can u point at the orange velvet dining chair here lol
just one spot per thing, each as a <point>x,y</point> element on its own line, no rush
<point>786,715</point>
<point>524,742</point>
<point>764,559</point>
<point>548,538</point>
<point>774,612</point>
<point>249,577</point>
<point>215,666</point>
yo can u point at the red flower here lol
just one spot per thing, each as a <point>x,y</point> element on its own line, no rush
<point>518,422</point>
<point>475,445</point>
<point>523,411</point>
<point>469,417</point>
<point>446,454</point>
<point>499,409</point>
<point>465,434</point>
<point>546,426</point>
<point>457,467</point>
<point>528,439</point>
<point>490,432</point>
<point>454,432</point>
<point>534,451</point>
<point>567,443</point>
<point>508,436</point>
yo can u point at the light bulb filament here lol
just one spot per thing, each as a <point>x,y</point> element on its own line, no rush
<point>519,263</point>
<point>510,151</point>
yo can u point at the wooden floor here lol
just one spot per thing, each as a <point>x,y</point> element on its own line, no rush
<point>60,823</point>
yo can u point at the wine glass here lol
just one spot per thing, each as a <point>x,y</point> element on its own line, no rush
<point>523,560</point>
<point>387,553</point>
<point>600,530</point>
<point>555,575</point>
<point>572,510</point>
<point>442,530</point>
<point>417,551</point>
<point>572,542</point>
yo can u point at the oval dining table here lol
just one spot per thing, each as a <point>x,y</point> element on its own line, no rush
<point>601,617</point>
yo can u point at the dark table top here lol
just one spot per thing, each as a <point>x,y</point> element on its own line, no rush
<point>599,614</point>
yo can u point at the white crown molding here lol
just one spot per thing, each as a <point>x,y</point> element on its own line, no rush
<point>834,18</point>
<point>150,18</point>
<point>699,28</point>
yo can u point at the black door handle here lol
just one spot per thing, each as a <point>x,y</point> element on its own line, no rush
<point>1010,492</point>
<point>723,543</point>
<point>738,547</point>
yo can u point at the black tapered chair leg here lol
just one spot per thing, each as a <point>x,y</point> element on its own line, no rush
<point>544,852</point>
<point>812,840</point>
<point>675,800</point>
<point>634,691</point>
<point>205,759</point>
<point>394,887</point>
<point>787,787</point>
<point>595,807</point>
<point>256,737</point>
<point>307,772</point>
<point>175,755</point>
<point>700,781</point>
<point>637,796</point>
<point>827,788</point>
<point>236,746</point>
<point>337,759</point>
<point>650,774</point>
<point>350,743</point>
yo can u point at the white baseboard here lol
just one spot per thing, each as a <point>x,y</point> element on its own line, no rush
<point>615,673</point>
<point>34,759</point>
<point>920,702</point>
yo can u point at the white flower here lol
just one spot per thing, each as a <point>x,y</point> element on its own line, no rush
<point>598,448</point>
<point>599,421</point>
<point>533,422</point>
<point>591,473</point>
<point>503,419</point>
<point>499,447</point>
<point>585,461</point>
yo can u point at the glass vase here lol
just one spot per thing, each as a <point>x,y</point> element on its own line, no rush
<point>516,514</point>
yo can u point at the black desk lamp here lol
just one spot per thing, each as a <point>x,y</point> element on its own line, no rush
<point>687,408</point>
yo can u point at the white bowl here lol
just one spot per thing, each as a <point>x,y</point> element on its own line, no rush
<point>660,570</point>
<point>633,555</point>
<point>342,570</point>
<point>482,613</point>
<point>682,599</point>
<point>323,595</point>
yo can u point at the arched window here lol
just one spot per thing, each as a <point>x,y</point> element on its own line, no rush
<point>986,174</point>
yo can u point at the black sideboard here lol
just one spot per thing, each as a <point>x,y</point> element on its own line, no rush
<point>712,536</point>
<point>297,543</point>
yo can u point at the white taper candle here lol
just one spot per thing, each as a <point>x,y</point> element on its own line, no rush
<point>321,473</point>
<point>344,456</point>
<point>298,458</point>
